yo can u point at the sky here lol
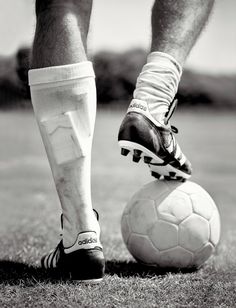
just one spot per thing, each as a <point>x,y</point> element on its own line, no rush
<point>123,24</point>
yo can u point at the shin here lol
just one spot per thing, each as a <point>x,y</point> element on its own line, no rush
<point>64,99</point>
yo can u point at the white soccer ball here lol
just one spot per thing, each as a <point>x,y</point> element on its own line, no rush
<point>171,224</point>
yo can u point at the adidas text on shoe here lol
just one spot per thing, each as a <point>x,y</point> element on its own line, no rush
<point>83,261</point>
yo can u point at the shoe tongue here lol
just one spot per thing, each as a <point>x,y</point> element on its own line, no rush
<point>85,240</point>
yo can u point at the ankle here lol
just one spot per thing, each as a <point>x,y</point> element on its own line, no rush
<point>75,224</point>
<point>158,82</point>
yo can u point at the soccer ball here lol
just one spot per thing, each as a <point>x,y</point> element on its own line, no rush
<point>171,224</point>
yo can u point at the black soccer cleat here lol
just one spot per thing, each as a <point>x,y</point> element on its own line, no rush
<point>83,261</point>
<point>144,137</point>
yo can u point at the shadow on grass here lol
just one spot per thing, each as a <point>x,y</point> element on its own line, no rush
<point>135,269</point>
<point>16,273</point>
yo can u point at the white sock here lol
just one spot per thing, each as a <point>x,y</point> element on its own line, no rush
<point>158,83</point>
<point>64,101</point>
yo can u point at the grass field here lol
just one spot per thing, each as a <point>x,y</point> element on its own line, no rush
<point>29,220</point>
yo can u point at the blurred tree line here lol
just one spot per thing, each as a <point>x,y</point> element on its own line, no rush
<point>116,75</point>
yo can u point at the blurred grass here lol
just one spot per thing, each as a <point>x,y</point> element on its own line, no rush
<point>29,220</point>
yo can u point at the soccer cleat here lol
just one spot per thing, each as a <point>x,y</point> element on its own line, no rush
<point>83,261</point>
<point>144,137</point>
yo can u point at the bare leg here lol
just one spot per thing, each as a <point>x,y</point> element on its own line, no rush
<point>60,39</point>
<point>176,25</point>
<point>61,32</point>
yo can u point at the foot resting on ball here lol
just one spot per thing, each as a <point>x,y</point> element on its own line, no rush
<point>153,141</point>
<point>83,261</point>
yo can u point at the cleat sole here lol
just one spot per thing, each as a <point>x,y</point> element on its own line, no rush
<point>156,175</point>
<point>88,281</point>
<point>157,166</point>
<point>178,178</point>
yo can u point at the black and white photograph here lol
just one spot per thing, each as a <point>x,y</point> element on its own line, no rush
<point>118,153</point>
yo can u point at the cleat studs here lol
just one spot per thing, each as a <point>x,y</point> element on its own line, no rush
<point>137,156</point>
<point>167,178</point>
<point>181,179</point>
<point>137,153</point>
<point>136,159</point>
<point>156,175</point>
<point>147,159</point>
<point>172,174</point>
<point>124,152</point>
